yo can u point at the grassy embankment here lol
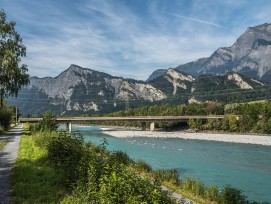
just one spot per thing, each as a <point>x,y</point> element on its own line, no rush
<point>47,171</point>
<point>3,142</point>
<point>34,180</point>
<point>62,169</point>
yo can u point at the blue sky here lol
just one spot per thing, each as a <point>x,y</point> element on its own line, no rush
<point>128,38</point>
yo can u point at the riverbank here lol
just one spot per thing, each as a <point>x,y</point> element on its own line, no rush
<point>232,138</point>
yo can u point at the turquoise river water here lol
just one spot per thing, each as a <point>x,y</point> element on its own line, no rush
<point>247,167</point>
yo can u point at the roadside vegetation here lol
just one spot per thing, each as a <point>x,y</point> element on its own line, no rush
<point>3,144</point>
<point>7,117</point>
<point>58,167</point>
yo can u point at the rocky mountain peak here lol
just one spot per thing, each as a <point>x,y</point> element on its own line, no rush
<point>266,27</point>
<point>76,70</point>
<point>249,55</point>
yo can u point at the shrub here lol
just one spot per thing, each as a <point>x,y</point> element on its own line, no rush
<point>142,166</point>
<point>194,186</point>
<point>230,195</point>
<point>233,125</point>
<point>195,124</point>
<point>120,185</point>
<point>187,184</point>
<point>267,126</point>
<point>5,117</point>
<point>198,188</point>
<point>49,122</point>
<point>65,152</point>
<point>42,139</point>
<point>120,157</point>
<point>212,193</point>
<point>167,175</point>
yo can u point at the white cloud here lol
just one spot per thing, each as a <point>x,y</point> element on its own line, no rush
<point>195,20</point>
<point>121,40</point>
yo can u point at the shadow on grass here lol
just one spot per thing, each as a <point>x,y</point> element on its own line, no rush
<point>36,182</point>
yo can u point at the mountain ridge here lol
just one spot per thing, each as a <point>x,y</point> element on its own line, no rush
<point>249,55</point>
<point>86,91</point>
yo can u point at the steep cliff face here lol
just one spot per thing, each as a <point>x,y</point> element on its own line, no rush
<point>79,90</point>
<point>174,83</point>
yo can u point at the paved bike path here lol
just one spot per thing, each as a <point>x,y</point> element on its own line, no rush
<point>7,158</point>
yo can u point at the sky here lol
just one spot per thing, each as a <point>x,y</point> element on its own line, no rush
<point>128,38</point>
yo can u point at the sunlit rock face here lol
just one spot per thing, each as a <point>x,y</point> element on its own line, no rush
<point>249,55</point>
<point>80,90</point>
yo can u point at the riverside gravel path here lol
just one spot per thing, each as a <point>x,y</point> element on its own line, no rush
<point>7,158</point>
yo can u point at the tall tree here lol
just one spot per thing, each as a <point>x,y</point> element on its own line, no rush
<point>13,75</point>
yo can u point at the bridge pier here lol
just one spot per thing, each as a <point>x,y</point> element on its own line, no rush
<point>69,127</point>
<point>143,126</point>
<point>152,126</point>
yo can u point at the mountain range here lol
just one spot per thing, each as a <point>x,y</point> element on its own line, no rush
<point>249,56</point>
<point>241,72</point>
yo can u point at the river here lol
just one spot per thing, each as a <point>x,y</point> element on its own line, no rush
<point>244,166</point>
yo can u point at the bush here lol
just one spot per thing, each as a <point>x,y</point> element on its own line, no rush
<point>42,139</point>
<point>102,177</point>
<point>65,152</point>
<point>230,195</point>
<point>142,166</point>
<point>167,175</point>
<point>49,122</point>
<point>195,124</point>
<point>194,186</point>
<point>5,117</point>
<point>212,193</point>
<point>120,157</point>
<point>123,186</point>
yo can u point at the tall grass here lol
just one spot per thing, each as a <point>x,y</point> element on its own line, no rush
<point>34,180</point>
<point>3,144</point>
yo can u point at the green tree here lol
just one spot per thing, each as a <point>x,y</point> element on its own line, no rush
<point>5,117</point>
<point>49,122</point>
<point>12,75</point>
<point>233,123</point>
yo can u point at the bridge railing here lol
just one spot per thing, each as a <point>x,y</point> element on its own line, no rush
<point>143,119</point>
<point>129,119</point>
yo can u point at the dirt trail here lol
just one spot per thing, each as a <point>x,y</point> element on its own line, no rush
<point>7,158</point>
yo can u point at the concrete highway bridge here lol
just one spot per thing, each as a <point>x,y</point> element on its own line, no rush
<point>143,119</point>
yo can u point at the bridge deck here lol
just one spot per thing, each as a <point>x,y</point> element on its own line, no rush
<point>129,119</point>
